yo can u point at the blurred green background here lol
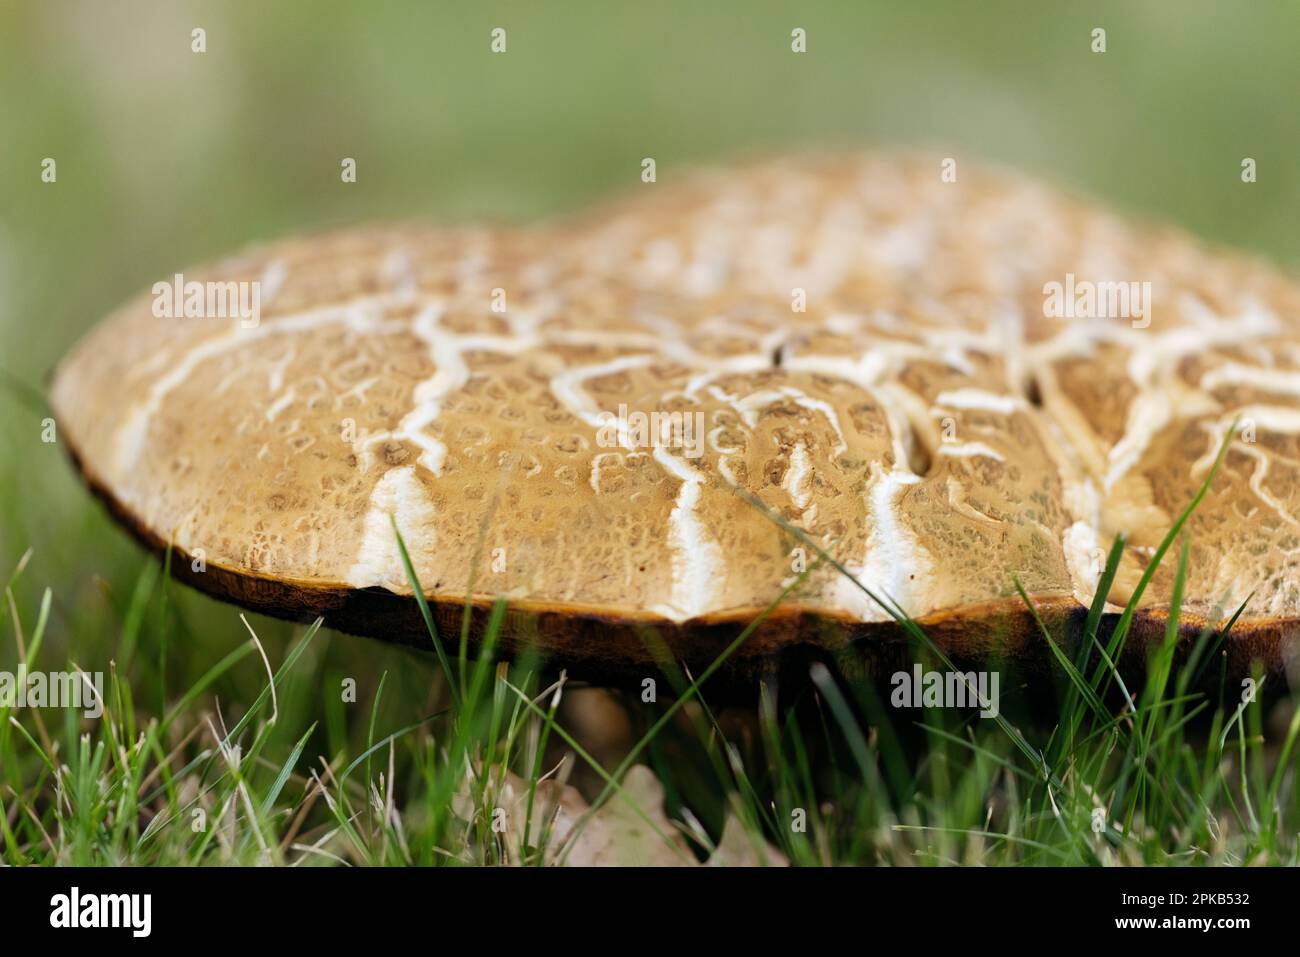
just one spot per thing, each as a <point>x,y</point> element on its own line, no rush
<point>167,157</point>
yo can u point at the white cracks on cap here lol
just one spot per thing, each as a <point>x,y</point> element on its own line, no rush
<point>724,467</point>
<point>1163,398</point>
<point>895,560</point>
<point>1148,414</point>
<point>357,392</point>
<point>1006,330</point>
<point>866,372</point>
<point>1077,454</point>
<point>957,501</point>
<point>979,400</point>
<point>748,408</point>
<point>130,438</point>
<point>1083,559</point>
<point>797,475</point>
<point>272,281</point>
<point>970,450</point>
<point>280,404</point>
<point>1278,419</point>
<point>398,270</point>
<point>275,376</point>
<point>568,390</point>
<point>698,564</point>
<point>746,364</point>
<point>399,496</point>
<point>1262,463</point>
<point>450,373</point>
<point>595,468</point>
<point>1268,418</point>
<point>697,561</point>
<point>951,346</point>
<point>1068,435</point>
<point>1278,381</point>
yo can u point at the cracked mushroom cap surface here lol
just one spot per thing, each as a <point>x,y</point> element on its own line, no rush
<point>586,417</point>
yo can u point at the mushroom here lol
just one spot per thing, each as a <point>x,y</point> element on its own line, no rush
<point>620,420</point>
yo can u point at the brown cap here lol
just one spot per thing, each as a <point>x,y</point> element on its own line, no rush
<point>945,384</point>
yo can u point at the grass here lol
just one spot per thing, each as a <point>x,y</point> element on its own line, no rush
<point>466,760</point>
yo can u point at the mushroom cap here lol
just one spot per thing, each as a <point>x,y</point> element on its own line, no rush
<point>564,416</point>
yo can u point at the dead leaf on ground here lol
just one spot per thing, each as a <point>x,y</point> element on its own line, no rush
<point>616,835</point>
